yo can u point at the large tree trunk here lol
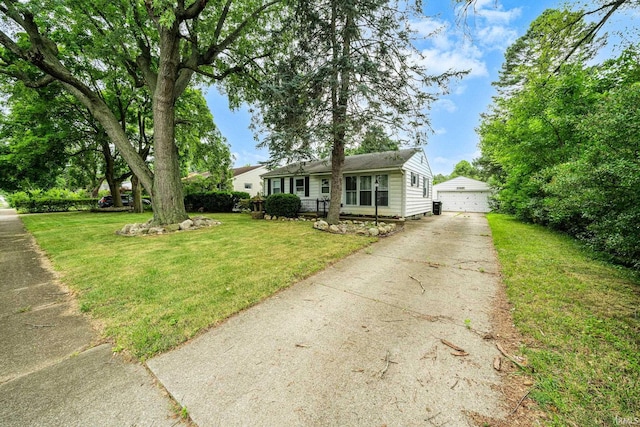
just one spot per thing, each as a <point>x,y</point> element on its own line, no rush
<point>339,100</point>
<point>168,200</point>
<point>163,184</point>
<point>337,163</point>
<point>137,194</point>
<point>109,174</point>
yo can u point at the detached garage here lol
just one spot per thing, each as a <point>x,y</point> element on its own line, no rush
<point>463,194</point>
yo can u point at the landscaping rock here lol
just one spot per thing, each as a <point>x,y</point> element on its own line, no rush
<point>321,225</point>
<point>186,224</point>
<point>172,227</point>
<point>334,229</point>
<point>362,228</point>
<point>146,228</point>
<point>156,230</point>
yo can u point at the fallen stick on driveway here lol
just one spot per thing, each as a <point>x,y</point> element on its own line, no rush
<point>419,282</point>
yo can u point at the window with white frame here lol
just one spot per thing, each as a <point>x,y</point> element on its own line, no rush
<point>415,179</point>
<point>383,190</point>
<point>275,186</point>
<point>300,186</point>
<point>425,187</point>
<point>325,186</point>
<point>351,190</point>
<point>365,191</point>
<point>359,190</point>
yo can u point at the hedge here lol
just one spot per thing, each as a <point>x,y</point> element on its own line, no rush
<point>283,204</point>
<point>214,201</point>
<point>47,204</point>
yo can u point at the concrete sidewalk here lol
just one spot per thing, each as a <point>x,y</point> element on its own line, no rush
<point>359,344</point>
<point>52,373</point>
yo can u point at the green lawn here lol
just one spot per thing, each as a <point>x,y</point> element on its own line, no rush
<point>582,319</point>
<point>154,292</point>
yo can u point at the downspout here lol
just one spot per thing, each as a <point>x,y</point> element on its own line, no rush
<point>403,212</point>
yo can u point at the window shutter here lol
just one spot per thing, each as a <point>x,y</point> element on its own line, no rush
<point>306,186</point>
<point>268,187</point>
<point>291,189</point>
<point>282,185</point>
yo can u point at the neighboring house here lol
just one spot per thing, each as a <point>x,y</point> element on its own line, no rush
<point>404,183</point>
<point>247,179</point>
<point>463,194</point>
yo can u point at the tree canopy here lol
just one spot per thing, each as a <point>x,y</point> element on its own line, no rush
<point>160,46</point>
<point>348,64</point>
<point>564,146</point>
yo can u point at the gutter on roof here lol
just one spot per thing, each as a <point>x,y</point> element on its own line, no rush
<point>328,172</point>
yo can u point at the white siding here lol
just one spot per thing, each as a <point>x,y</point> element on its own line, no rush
<point>251,177</point>
<point>395,196</point>
<point>404,200</point>
<point>416,203</point>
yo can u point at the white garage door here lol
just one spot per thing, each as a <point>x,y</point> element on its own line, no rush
<point>464,201</point>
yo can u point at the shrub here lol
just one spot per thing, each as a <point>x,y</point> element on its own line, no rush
<point>210,201</point>
<point>283,204</point>
<point>240,195</point>
<point>53,200</point>
<point>244,205</point>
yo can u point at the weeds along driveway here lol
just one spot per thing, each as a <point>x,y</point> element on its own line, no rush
<point>360,343</point>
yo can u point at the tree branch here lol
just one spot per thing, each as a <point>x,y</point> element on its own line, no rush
<point>192,11</point>
<point>592,32</point>
<point>213,51</point>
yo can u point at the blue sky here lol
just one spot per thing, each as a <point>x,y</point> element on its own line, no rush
<point>490,30</point>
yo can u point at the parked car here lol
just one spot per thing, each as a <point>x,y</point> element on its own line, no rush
<point>107,201</point>
<point>127,200</point>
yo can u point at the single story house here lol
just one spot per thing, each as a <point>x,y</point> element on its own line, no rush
<point>462,194</point>
<point>404,181</point>
<point>248,179</point>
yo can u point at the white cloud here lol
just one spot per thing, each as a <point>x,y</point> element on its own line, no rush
<point>459,89</point>
<point>466,58</point>
<point>496,37</point>
<point>440,131</point>
<point>436,32</point>
<point>428,27</point>
<point>447,46</point>
<point>445,104</point>
<point>494,13</point>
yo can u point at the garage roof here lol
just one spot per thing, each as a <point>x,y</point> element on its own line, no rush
<point>462,183</point>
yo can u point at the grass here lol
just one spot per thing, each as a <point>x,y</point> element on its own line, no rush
<point>152,293</point>
<point>581,319</point>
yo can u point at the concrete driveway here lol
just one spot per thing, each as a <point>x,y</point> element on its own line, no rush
<point>360,343</point>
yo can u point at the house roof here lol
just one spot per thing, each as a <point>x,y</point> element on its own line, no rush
<point>244,169</point>
<point>359,162</point>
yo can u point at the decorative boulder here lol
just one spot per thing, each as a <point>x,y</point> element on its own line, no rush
<point>186,224</point>
<point>321,225</point>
